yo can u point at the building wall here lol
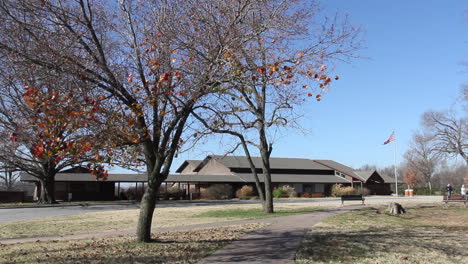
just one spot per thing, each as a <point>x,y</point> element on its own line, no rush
<point>306,187</point>
<point>11,197</point>
<point>84,191</point>
<point>379,188</point>
<point>298,187</point>
<point>189,169</point>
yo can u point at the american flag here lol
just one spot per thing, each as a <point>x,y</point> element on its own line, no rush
<point>390,139</point>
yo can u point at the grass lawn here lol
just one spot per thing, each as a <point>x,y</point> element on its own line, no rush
<point>430,234</point>
<point>174,247</point>
<point>127,219</point>
<point>239,213</point>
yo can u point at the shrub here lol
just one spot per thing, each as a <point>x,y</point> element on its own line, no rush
<point>427,191</point>
<point>284,191</point>
<point>340,190</point>
<point>363,191</point>
<point>306,195</point>
<point>217,192</point>
<point>174,193</point>
<point>245,192</point>
<point>278,193</point>
<point>134,193</point>
<point>288,191</point>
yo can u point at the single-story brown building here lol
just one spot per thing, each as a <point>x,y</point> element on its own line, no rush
<point>305,175</point>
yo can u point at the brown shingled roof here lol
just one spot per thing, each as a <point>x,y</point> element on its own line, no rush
<point>275,163</point>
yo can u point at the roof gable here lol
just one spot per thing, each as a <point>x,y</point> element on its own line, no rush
<point>375,178</point>
<point>372,176</point>
<point>195,163</point>
<point>365,174</point>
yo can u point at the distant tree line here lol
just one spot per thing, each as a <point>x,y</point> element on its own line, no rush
<point>433,157</point>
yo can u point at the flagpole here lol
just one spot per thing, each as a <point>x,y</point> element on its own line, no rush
<point>394,166</point>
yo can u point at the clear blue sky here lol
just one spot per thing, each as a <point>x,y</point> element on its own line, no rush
<point>415,50</point>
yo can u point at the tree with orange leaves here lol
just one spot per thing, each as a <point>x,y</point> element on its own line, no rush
<point>411,177</point>
<point>45,128</point>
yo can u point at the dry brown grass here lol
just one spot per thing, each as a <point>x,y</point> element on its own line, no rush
<point>174,247</point>
<point>424,235</point>
<point>127,219</point>
<point>123,219</point>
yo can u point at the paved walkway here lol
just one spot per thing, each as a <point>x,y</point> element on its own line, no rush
<point>276,243</point>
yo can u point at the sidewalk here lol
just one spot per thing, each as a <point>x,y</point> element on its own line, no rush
<point>276,243</point>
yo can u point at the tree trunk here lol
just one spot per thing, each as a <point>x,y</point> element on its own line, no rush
<point>145,219</point>
<point>430,188</point>
<point>253,170</point>
<point>265,151</point>
<point>395,208</point>
<point>47,195</point>
<point>268,207</point>
<point>268,204</point>
<point>464,156</point>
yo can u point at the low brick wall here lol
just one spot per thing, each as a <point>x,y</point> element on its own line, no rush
<point>11,197</point>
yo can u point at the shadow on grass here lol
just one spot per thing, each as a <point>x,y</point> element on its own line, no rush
<point>351,246</point>
<point>103,251</point>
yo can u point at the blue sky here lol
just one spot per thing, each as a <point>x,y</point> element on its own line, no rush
<point>415,50</point>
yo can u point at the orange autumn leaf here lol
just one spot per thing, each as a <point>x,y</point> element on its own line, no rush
<point>87,147</point>
<point>130,78</point>
<point>261,70</point>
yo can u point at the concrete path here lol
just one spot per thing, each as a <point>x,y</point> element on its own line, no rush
<point>277,243</point>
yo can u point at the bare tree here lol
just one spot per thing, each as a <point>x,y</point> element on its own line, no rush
<point>422,157</point>
<point>8,177</point>
<point>272,75</point>
<point>368,167</point>
<point>448,133</point>
<point>463,98</point>
<point>455,174</point>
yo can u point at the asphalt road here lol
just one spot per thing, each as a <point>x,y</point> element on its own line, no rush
<point>18,214</point>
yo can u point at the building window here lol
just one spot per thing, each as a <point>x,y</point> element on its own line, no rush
<point>319,188</point>
<point>337,173</point>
